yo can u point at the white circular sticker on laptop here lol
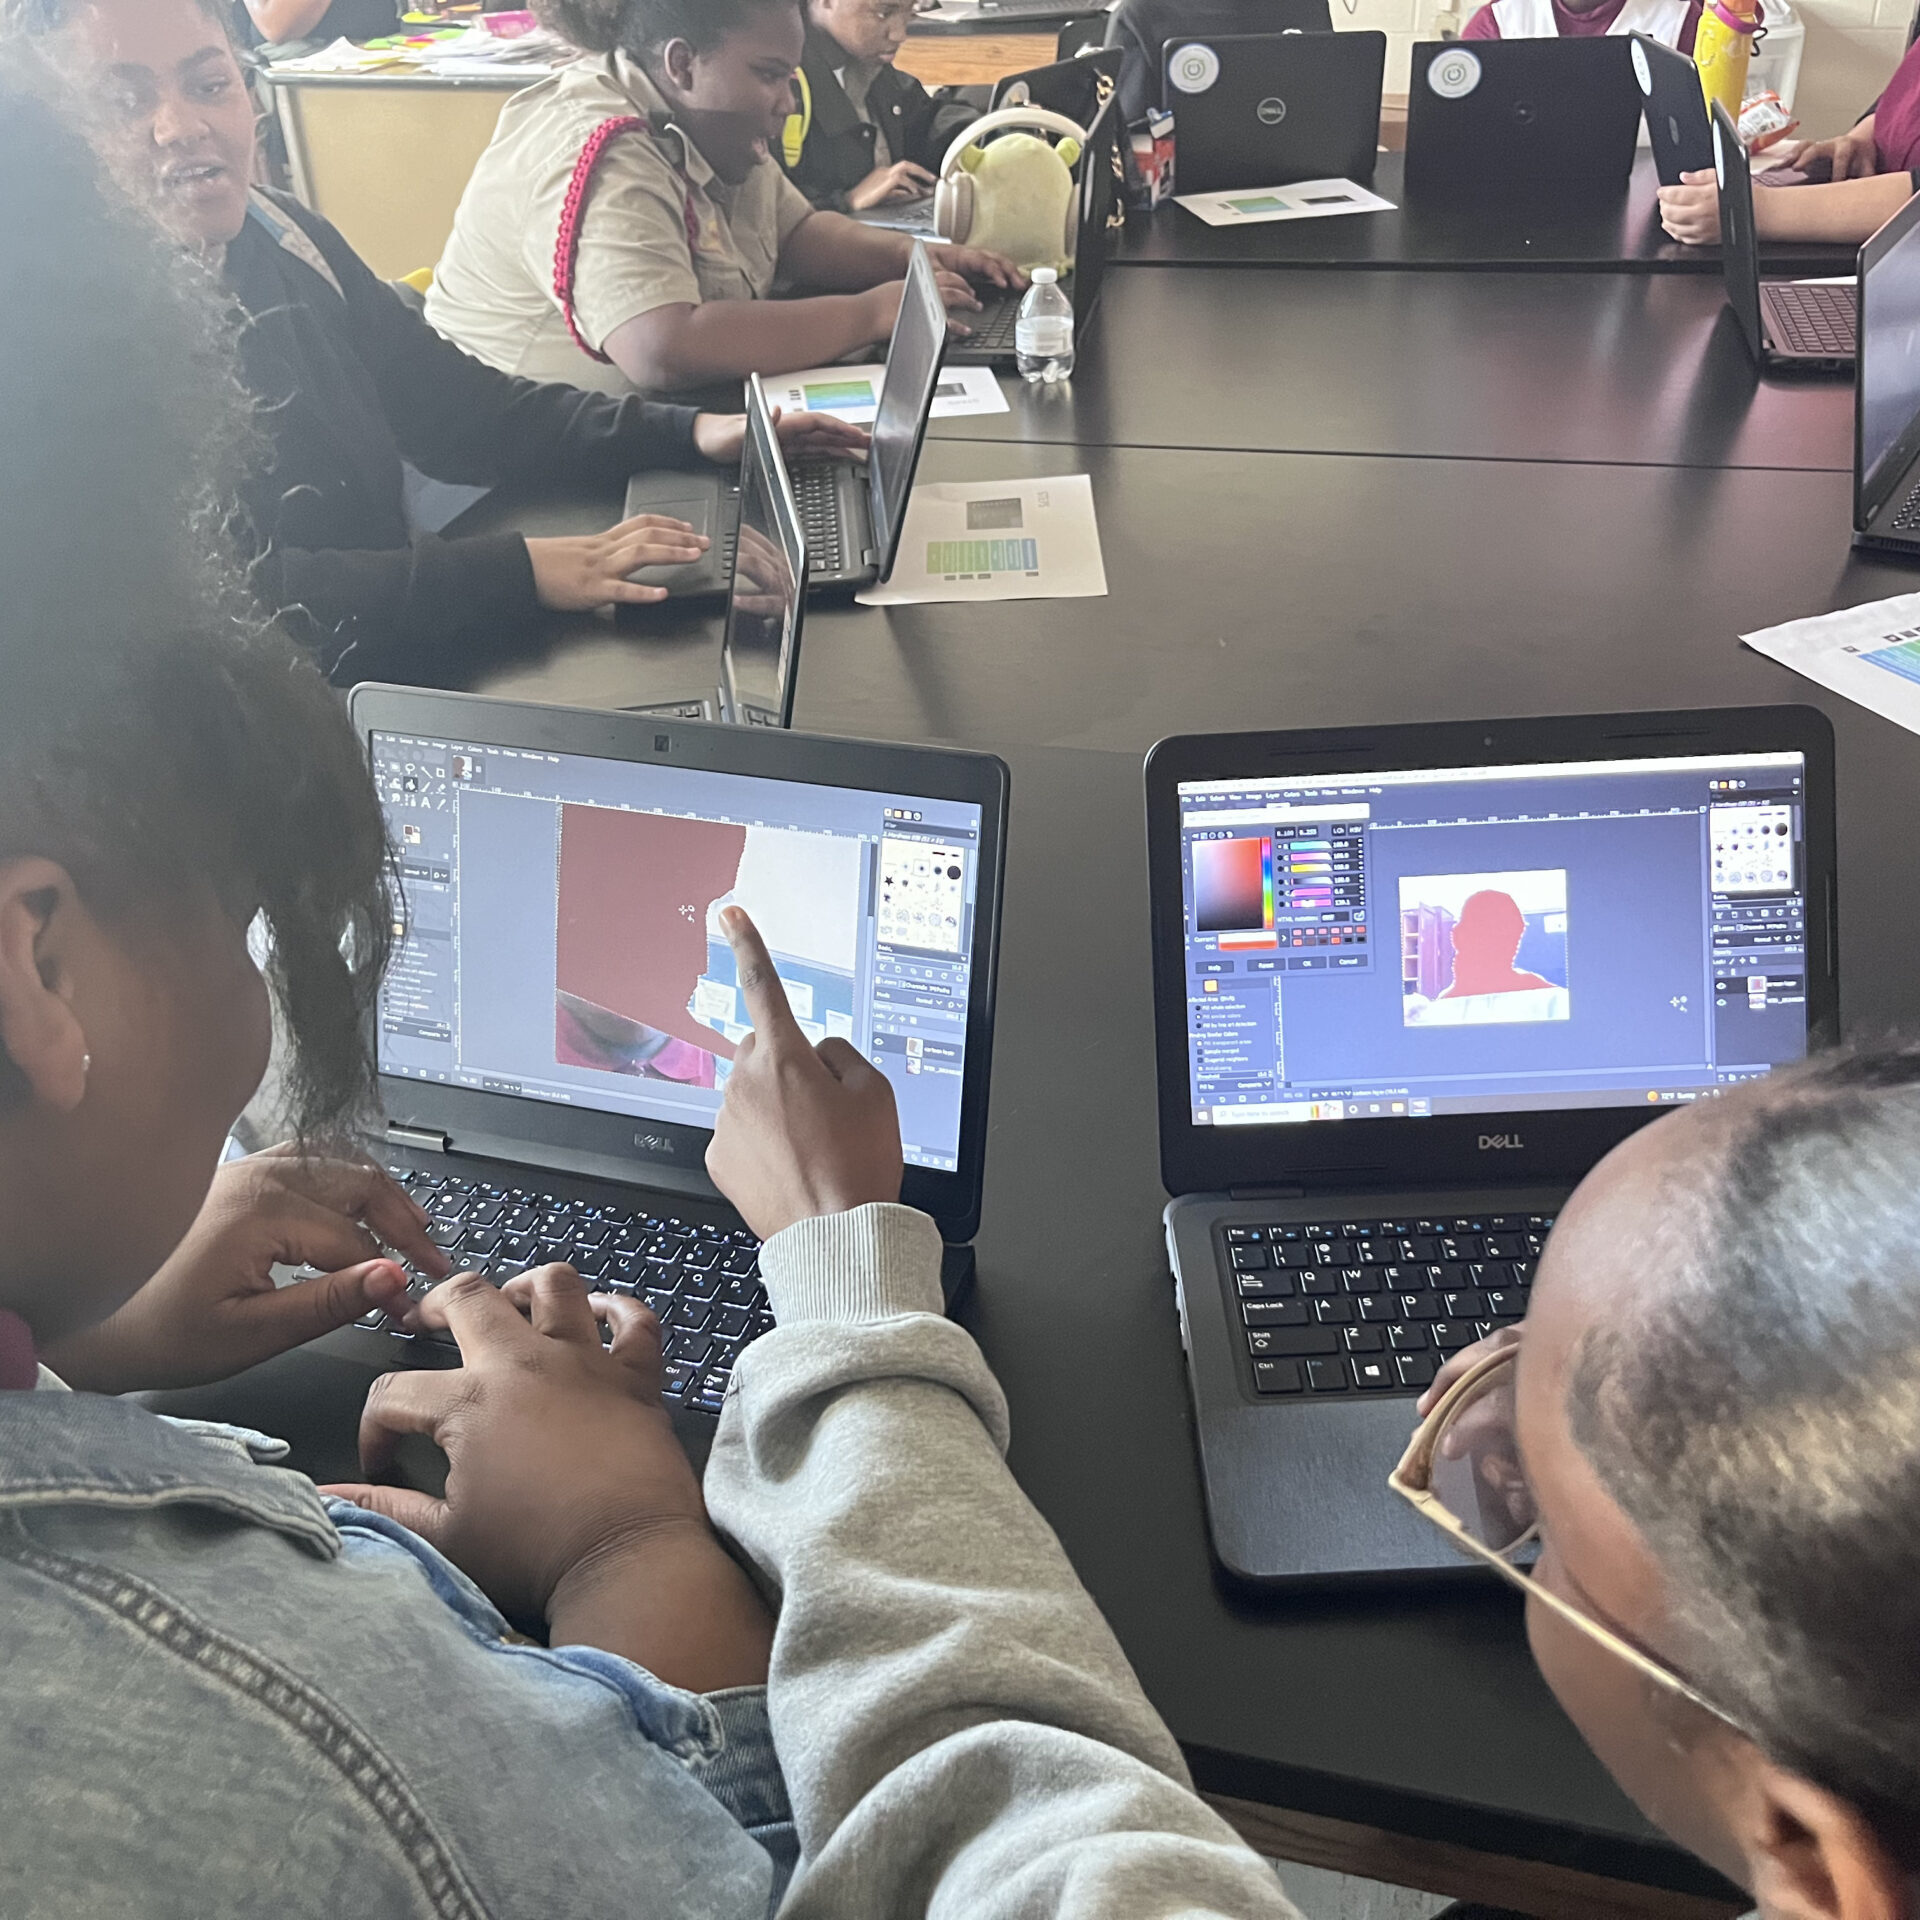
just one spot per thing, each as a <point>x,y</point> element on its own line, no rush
<point>1193,68</point>
<point>1641,71</point>
<point>1454,74</point>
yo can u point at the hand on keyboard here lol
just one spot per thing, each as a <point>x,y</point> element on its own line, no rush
<point>568,1495</point>
<point>213,1309</point>
<point>804,1131</point>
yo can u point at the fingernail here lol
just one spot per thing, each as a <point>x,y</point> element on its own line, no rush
<point>732,919</point>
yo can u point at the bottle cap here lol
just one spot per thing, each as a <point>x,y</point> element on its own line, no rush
<point>1043,276</point>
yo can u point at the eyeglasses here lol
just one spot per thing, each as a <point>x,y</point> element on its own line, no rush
<point>1463,1472</point>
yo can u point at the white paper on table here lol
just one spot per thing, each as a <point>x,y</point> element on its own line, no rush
<point>853,393</point>
<point>344,57</point>
<point>997,540</point>
<point>1304,200</point>
<point>1870,654</point>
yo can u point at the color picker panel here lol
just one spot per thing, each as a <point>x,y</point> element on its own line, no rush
<point>1232,885</point>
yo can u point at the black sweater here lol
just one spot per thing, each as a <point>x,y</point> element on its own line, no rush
<point>351,380</point>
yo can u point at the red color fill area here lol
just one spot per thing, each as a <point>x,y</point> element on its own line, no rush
<point>1486,938</point>
<point>634,892</point>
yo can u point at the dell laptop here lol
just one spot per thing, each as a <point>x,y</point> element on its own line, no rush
<point>556,1030</point>
<point>766,600</point>
<point>1077,88</point>
<point>1675,107</point>
<point>1269,109</point>
<point>1788,326</point>
<point>1410,983</point>
<point>852,513</point>
<point>1521,120</point>
<point>1886,391</point>
<point>989,341</point>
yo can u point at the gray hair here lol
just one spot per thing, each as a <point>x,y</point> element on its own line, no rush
<point>1759,1423</point>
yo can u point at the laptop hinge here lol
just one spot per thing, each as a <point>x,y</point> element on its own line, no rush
<point>430,1139</point>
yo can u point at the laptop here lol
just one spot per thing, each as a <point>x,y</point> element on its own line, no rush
<point>1410,983</point>
<point>852,513</point>
<point>1077,88</point>
<point>1787,326</point>
<point>1521,120</point>
<point>1886,392</point>
<point>556,1030</point>
<point>1675,108</point>
<point>1267,109</point>
<point>989,343</point>
<point>766,600</point>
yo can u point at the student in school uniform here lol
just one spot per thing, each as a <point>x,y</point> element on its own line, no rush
<point>349,380</point>
<point>866,134</point>
<point>1856,182</point>
<point>628,223</point>
<point>272,22</point>
<point>1671,21</point>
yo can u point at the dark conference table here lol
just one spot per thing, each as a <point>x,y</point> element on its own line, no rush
<point>1602,236</point>
<point>1598,546</point>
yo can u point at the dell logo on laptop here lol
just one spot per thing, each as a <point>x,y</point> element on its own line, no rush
<point>1271,111</point>
<point>1500,1142</point>
<point>653,1142</point>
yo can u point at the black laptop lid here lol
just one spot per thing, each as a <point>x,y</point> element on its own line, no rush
<point>561,993</point>
<point>766,601</point>
<point>1076,88</point>
<point>1099,190</point>
<point>1268,109</point>
<point>1142,28</point>
<point>1530,120</point>
<point>914,355</point>
<point>1886,392</point>
<point>1675,106</point>
<point>1469,951</point>
<point>1739,248</point>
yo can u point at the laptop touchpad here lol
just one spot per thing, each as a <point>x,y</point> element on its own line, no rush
<point>685,576</point>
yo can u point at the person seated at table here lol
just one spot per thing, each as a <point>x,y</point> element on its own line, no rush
<point>305,1707</point>
<point>1853,184</point>
<point>628,223</point>
<point>273,22</point>
<point>1671,21</point>
<point>866,135</point>
<point>350,381</point>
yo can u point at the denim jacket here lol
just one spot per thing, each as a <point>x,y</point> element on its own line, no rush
<point>225,1695</point>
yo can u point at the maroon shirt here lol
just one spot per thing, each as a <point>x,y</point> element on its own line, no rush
<point>1896,120</point>
<point>1577,26</point>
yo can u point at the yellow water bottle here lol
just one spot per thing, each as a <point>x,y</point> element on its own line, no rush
<point>1722,46</point>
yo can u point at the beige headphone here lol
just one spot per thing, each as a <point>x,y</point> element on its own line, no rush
<point>953,196</point>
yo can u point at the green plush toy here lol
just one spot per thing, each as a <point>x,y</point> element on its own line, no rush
<point>1022,196</point>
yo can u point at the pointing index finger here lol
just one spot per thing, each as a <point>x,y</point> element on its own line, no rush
<point>760,986</point>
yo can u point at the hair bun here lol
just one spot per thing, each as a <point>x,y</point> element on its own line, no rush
<point>593,25</point>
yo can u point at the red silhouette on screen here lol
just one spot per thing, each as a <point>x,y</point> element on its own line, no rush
<point>631,940</point>
<point>1486,938</point>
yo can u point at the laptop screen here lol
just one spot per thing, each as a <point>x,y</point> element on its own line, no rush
<point>906,397</point>
<point>760,653</point>
<point>1465,940</point>
<point>1888,365</point>
<point>562,940</point>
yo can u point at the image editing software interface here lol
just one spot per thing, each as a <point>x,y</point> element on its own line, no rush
<point>562,941</point>
<point>1492,939</point>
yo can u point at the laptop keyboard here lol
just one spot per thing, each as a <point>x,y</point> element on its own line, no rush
<point>1812,320</point>
<point>702,1280</point>
<point>816,492</point>
<point>1376,1306</point>
<point>1908,516</point>
<point>992,327</point>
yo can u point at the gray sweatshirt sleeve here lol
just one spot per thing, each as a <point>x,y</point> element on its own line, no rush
<point>960,1732</point>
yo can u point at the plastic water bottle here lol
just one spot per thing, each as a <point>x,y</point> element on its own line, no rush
<point>1043,331</point>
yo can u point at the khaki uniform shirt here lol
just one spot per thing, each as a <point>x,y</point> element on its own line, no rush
<point>658,228</point>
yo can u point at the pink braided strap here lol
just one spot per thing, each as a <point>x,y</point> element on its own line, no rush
<point>566,246</point>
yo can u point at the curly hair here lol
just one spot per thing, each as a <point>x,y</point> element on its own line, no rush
<point>155,731</point>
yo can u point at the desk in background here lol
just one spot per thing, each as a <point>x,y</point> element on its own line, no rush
<point>1607,236</point>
